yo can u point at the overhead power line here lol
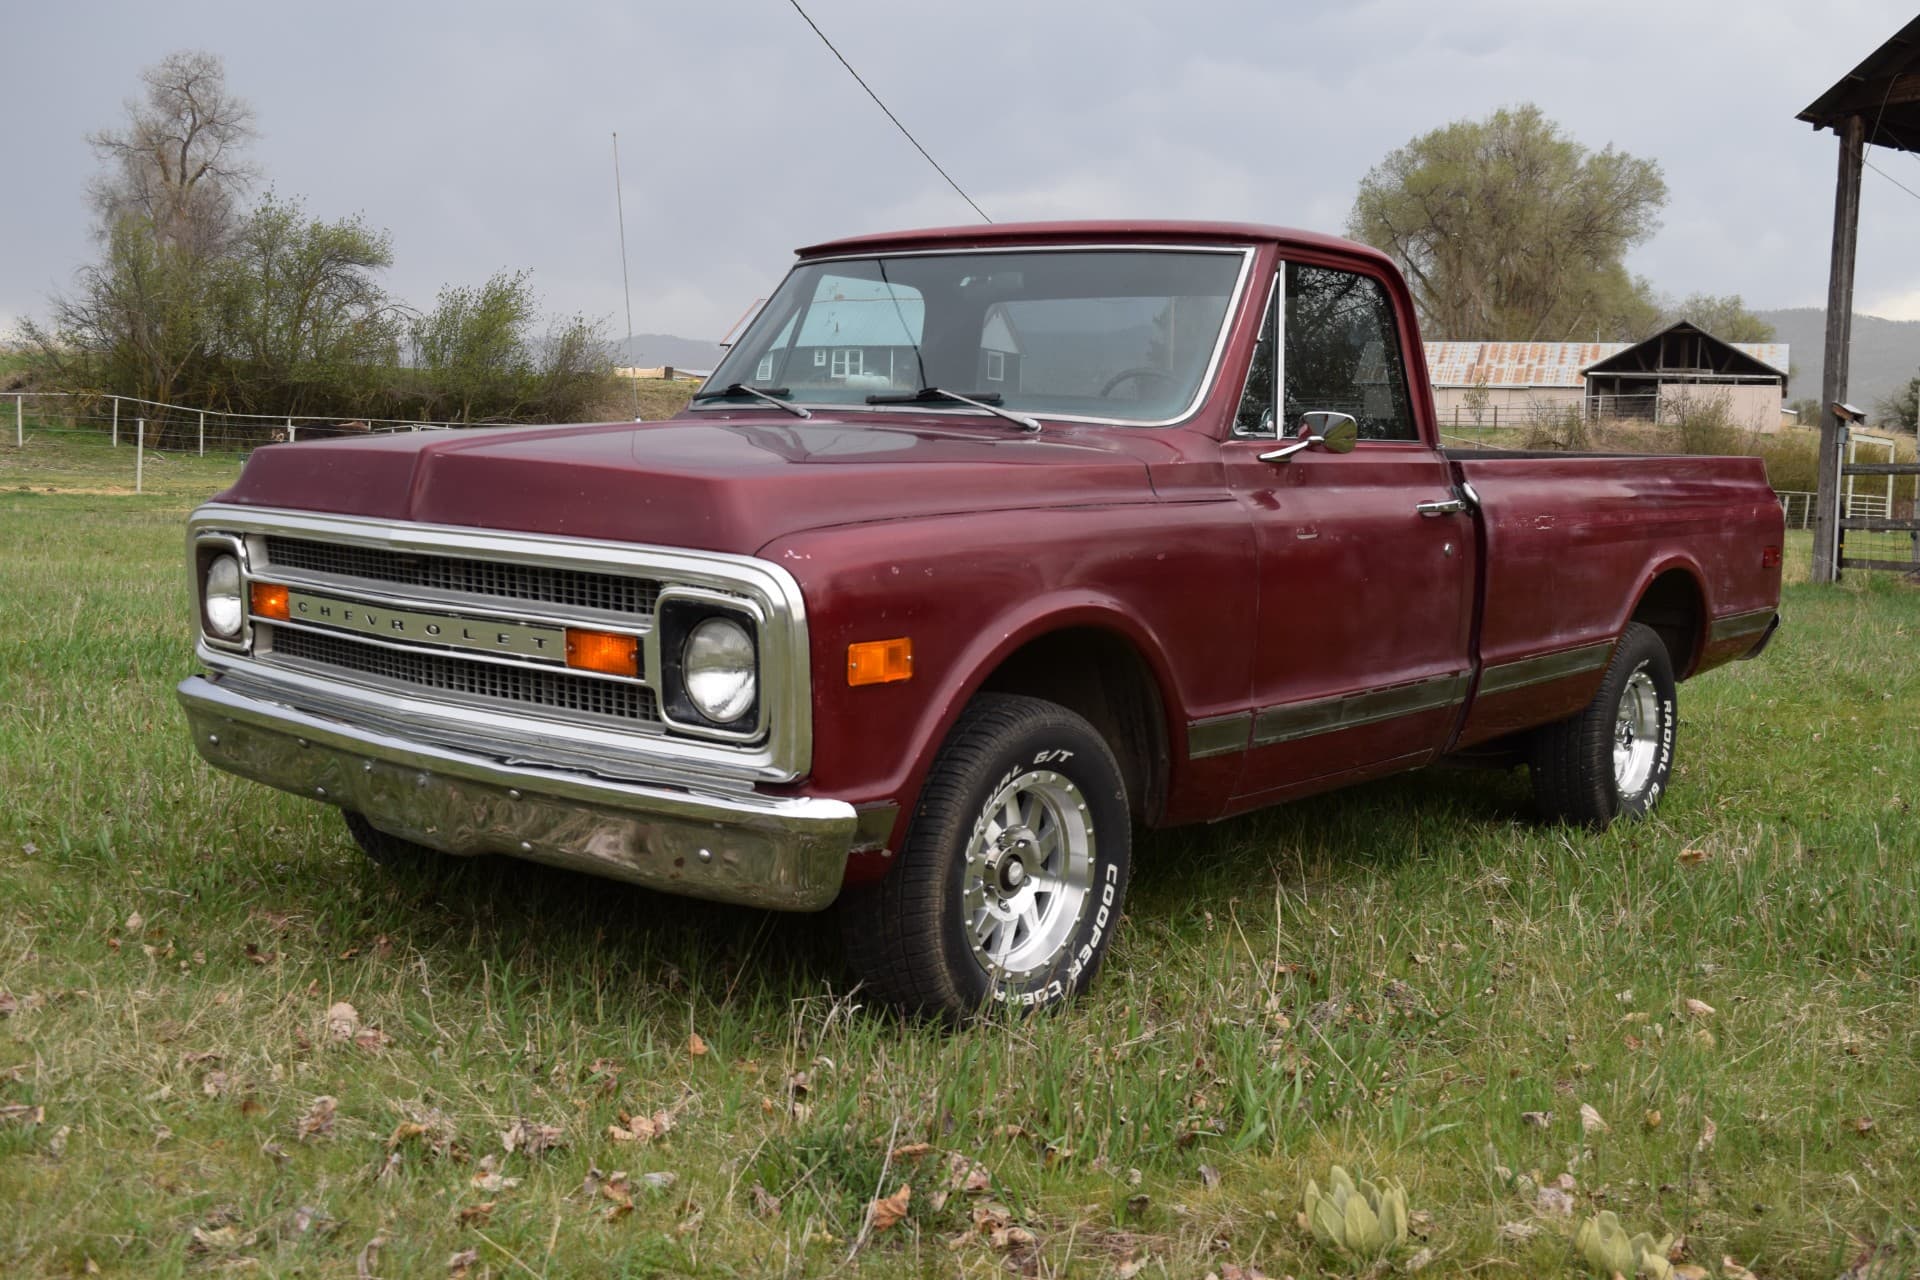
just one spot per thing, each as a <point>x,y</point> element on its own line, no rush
<point>883,106</point>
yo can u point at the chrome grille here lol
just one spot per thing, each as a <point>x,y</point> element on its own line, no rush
<point>425,669</point>
<point>576,588</point>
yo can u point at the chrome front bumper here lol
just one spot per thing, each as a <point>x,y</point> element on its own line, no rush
<point>784,853</point>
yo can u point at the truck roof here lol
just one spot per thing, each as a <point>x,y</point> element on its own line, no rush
<point>1107,231</point>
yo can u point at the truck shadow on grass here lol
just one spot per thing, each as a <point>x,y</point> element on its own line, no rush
<point>635,948</point>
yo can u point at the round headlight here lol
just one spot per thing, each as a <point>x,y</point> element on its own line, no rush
<point>221,598</point>
<point>718,667</point>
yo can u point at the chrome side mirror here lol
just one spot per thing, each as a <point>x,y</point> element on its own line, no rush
<point>1334,432</point>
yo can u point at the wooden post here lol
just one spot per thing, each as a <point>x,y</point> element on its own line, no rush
<point>139,453</point>
<point>1833,380</point>
<point>19,427</point>
<point>116,422</point>
<point>291,430</point>
<point>203,433</point>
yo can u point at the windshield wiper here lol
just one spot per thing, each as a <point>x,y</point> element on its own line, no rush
<point>988,400</point>
<point>769,394</point>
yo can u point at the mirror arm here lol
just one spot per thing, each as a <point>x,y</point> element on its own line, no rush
<point>1287,451</point>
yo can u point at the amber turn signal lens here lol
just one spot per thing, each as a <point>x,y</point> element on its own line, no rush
<point>269,601</point>
<point>603,651</point>
<point>880,661</point>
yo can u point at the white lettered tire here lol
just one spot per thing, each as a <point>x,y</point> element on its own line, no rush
<point>1614,760</point>
<point>1012,877</point>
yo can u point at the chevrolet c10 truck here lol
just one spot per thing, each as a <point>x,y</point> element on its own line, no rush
<point>982,547</point>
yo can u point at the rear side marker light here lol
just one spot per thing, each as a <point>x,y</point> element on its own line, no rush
<point>1770,558</point>
<point>269,601</point>
<point>880,661</point>
<point>604,651</point>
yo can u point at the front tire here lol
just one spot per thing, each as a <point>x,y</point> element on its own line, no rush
<point>1615,759</point>
<point>391,852</point>
<point>1010,882</point>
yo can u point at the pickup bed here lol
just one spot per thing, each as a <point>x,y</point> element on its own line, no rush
<point>981,548</point>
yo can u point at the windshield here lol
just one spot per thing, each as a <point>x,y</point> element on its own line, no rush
<point>1116,334</point>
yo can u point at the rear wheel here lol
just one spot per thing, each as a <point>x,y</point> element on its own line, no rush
<point>391,852</point>
<point>1615,758</point>
<point>1011,879</point>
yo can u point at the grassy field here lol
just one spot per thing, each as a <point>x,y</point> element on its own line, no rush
<point>1410,979</point>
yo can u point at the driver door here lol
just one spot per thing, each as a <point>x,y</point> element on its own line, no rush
<point>1365,603</point>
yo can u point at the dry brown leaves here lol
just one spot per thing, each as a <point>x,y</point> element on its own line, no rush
<point>696,1047</point>
<point>460,1265</point>
<point>488,1179</point>
<point>887,1211</point>
<point>534,1139</point>
<point>1590,1121</point>
<point>318,1120</point>
<point>641,1129</point>
<point>22,1113</point>
<point>765,1203</point>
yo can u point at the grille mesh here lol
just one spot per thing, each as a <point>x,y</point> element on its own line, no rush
<point>465,676</point>
<point>578,588</point>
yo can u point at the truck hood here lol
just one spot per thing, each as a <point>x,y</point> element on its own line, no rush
<point>733,484</point>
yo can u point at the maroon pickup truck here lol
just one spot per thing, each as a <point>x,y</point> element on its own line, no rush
<point>982,546</point>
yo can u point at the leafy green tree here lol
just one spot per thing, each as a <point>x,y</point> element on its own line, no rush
<point>304,324</point>
<point>137,321</point>
<point>1726,318</point>
<point>482,359</point>
<point>1900,408</point>
<point>1508,229</point>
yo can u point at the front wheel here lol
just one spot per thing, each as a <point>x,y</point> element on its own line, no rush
<point>1012,876</point>
<point>1615,758</point>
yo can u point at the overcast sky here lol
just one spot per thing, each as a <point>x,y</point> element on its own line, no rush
<point>478,133</point>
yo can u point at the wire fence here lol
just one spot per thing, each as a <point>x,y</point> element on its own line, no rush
<point>71,441</point>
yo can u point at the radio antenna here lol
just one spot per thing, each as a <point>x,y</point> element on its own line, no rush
<point>626,281</point>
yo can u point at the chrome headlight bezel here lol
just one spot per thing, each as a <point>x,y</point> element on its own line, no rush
<point>208,551</point>
<point>679,614</point>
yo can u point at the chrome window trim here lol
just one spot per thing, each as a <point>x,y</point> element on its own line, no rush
<point>785,753</point>
<point>1279,315</point>
<point>1201,393</point>
<point>656,660</point>
<point>196,590</point>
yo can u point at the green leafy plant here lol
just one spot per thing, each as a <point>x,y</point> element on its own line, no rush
<point>1366,1221</point>
<point>1608,1249</point>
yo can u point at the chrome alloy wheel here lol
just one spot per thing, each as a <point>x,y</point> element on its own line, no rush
<point>1029,873</point>
<point>1636,734</point>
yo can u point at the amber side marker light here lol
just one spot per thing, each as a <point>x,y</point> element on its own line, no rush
<point>603,651</point>
<point>880,661</point>
<point>269,601</point>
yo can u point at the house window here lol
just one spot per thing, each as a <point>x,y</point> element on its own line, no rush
<point>764,373</point>
<point>996,366</point>
<point>819,356</point>
<point>847,361</point>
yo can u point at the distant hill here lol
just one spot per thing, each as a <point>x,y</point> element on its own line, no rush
<point>651,350</point>
<point>1885,353</point>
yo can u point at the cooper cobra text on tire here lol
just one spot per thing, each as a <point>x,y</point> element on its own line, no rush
<point>1010,882</point>
<point>1615,758</point>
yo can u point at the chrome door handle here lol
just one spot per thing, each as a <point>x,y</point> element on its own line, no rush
<point>1443,507</point>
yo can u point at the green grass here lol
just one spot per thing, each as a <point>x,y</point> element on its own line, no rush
<point>1389,978</point>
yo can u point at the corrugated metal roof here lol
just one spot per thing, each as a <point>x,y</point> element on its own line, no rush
<point>1547,364</point>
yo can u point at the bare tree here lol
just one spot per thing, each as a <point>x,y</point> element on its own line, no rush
<point>180,161</point>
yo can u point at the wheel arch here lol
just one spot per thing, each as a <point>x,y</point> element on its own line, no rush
<point>1672,600</point>
<point>1091,657</point>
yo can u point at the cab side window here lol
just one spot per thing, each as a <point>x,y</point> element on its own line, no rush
<point>1255,417</point>
<point>1343,352</point>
